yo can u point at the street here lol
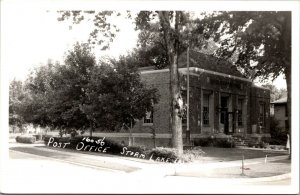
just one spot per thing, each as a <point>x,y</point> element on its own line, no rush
<point>31,173</point>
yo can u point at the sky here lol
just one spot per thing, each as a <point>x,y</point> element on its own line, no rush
<point>32,35</point>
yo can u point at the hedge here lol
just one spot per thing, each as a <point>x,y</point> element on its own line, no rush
<point>215,142</point>
<point>25,139</point>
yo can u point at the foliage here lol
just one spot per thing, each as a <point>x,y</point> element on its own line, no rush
<point>117,96</point>
<point>82,94</point>
<point>261,37</point>
<point>25,139</point>
<point>203,142</point>
<point>259,43</point>
<point>193,154</point>
<point>224,143</point>
<point>215,142</point>
<point>276,93</point>
<point>16,98</point>
<point>156,28</point>
<point>278,135</point>
<point>160,152</point>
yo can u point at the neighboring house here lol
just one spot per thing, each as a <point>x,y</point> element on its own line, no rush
<point>279,108</point>
<point>222,103</point>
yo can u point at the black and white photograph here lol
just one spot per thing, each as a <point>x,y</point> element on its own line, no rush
<point>149,97</point>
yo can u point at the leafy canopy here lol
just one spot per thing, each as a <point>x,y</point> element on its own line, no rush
<point>82,93</point>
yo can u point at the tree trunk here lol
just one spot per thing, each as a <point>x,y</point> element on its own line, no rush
<point>172,44</point>
<point>286,37</point>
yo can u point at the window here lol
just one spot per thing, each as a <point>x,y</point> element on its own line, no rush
<point>205,109</point>
<point>261,120</point>
<point>240,113</point>
<point>148,119</point>
<point>224,109</point>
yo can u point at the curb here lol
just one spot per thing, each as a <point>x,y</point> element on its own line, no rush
<point>272,178</point>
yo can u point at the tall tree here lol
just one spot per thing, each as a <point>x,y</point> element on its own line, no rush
<point>82,94</point>
<point>169,27</point>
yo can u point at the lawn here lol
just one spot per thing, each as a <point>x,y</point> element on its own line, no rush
<point>231,154</point>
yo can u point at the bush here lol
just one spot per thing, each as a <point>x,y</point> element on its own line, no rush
<point>251,144</point>
<point>263,144</point>
<point>278,134</point>
<point>224,143</point>
<point>25,139</point>
<point>216,142</point>
<point>203,142</point>
<point>193,154</point>
<point>161,152</point>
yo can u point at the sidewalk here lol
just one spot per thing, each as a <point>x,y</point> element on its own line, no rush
<point>253,168</point>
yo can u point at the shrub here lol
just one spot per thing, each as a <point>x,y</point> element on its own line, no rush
<point>204,142</point>
<point>278,134</point>
<point>25,139</point>
<point>275,142</point>
<point>193,154</point>
<point>161,152</point>
<point>251,144</point>
<point>263,144</point>
<point>266,139</point>
<point>224,143</point>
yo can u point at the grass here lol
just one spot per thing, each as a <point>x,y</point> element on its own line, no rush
<point>231,154</point>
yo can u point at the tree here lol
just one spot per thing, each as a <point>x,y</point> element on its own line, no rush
<point>116,96</point>
<point>16,96</point>
<point>56,91</point>
<point>258,42</point>
<point>172,39</point>
<point>275,93</point>
<point>82,94</point>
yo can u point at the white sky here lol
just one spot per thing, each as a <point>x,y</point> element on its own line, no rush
<point>31,35</point>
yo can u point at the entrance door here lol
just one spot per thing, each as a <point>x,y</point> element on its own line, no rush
<point>224,114</point>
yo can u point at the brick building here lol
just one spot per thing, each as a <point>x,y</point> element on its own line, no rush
<point>222,103</point>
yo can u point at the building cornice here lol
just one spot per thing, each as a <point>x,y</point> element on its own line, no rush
<point>197,72</point>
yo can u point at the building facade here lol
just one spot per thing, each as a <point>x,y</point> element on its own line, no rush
<point>222,103</point>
